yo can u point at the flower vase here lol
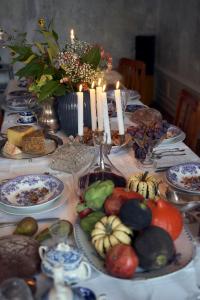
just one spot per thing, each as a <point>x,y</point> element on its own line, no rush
<point>68,112</point>
<point>47,117</point>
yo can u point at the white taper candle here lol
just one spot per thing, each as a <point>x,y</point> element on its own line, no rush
<point>119,109</point>
<point>99,106</point>
<point>80,111</point>
<point>93,107</point>
<point>106,117</point>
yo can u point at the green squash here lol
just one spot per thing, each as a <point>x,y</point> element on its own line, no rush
<point>154,248</point>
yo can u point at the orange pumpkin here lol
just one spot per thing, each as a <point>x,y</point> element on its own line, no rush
<point>166,216</point>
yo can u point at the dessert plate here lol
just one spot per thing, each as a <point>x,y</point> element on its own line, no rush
<point>27,191</point>
<point>183,245</point>
<point>185,177</point>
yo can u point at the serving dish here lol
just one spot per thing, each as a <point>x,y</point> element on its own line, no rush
<point>51,144</point>
<point>183,245</point>
<point>35,190</point>
<point>185,177</point>
<point>174,135</point>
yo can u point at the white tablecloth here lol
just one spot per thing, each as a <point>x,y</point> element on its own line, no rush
<point>174,286</point>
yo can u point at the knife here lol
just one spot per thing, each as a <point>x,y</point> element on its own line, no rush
<point>4,224</point>
<point>162,169</point>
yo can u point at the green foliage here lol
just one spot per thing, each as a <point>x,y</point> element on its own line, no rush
<point>92,57</point>
<point>33,69</point>
<point>51,88</point>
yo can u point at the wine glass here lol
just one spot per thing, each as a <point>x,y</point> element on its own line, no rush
<point>196,265</point>
<point>147,131</point>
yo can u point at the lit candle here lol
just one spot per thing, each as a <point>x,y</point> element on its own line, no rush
<point>80,111</point>
<point>72,37</point>
<point>99,105</point>
<point>119,109</point>
<point>106,116</point>
<point>93,107</point>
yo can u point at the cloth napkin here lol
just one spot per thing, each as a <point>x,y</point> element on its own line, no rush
<point>175,158</point>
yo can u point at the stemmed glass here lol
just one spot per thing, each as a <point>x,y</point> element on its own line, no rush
<point>196,265</point>
<point>148,131</point>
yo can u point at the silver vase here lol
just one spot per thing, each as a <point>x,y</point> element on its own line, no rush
<point>47,117</point>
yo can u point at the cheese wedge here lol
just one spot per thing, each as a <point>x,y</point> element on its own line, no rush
<point>15,134</point>
<point>11,149</point>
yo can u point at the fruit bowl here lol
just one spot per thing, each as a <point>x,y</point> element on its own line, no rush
<point>183,246</point>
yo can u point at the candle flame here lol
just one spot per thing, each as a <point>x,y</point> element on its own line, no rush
<point>99,82</point>
<point>117,85</point>
<point>104,87</point>
<point>92,86</point>
<point>72,33</point>
<point>80,87</point>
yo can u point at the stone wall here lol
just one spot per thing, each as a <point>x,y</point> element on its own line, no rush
<point>111,23</point>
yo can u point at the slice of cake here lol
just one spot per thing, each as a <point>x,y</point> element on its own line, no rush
<point>15,134</point>
<point>11,149</point>
<point>34,142</point>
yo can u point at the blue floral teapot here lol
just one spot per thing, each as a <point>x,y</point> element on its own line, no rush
<point>75,268</point>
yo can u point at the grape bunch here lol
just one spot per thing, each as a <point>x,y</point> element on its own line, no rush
<point>146,137</point>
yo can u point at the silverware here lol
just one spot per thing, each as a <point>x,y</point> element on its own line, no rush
<point>167,150</point>
<point>5,224</point>
<point>162,169</point>
<point>159,156</point>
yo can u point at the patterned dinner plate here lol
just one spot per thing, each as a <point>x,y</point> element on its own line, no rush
<point>185,177</point>
<point>184,254</point>
<point>23,192</point>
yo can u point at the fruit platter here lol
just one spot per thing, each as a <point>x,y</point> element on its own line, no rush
<point>129,232</point>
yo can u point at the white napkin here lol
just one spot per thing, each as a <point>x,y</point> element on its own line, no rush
<point>175,158</point>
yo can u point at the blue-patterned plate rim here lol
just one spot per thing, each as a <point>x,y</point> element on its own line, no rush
<point>56,190</point>
<point>133,107</point>
<point>176,266</point>
<point>20,121</point>
<point>171,176</point>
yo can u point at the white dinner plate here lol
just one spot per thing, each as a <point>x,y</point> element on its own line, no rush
<point>50,207</point>
<point>29,192</point>
<point>183,245</point>
<point>185,177</point>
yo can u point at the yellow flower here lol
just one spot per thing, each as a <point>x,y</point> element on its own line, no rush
<point>41,22</point>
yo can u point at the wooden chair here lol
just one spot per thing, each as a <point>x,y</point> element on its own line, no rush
<point>188,118</point>
<point>133,72</point>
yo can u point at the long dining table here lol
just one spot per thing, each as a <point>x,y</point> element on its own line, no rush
<point>177,285</point>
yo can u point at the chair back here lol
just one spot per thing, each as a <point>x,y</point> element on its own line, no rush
<point>133,72</point>
<point>188,117</point>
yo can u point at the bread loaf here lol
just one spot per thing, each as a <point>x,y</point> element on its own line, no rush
<point>34,142</point>
<point>18,257</point>
<point>15,134</point>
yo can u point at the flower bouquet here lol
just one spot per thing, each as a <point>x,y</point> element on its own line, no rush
<point>53,71</point>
